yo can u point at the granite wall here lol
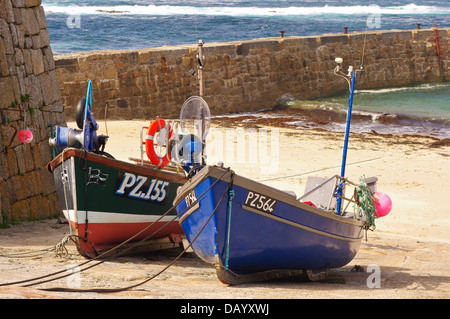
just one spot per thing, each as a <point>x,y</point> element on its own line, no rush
<point>248,75</point>
<point>29,98</point>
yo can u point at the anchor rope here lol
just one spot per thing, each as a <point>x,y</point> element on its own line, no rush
<point>111,290</point>
<point>112,249</point>
<point>59,249</point>
<point>319,170</point>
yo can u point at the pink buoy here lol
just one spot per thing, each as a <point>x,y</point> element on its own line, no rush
<point>383,204</point>
<point>25,136</point>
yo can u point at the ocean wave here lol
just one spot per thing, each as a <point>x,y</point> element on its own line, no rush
<point>422,87</point>
<point>334,120</point>
<point>170,10</point>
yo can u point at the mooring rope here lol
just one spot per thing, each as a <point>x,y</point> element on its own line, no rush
<point>109,251</point>
<point>319,170</point>
<point>111,290</point>
<point>26,254</point>
<point>59,249</point>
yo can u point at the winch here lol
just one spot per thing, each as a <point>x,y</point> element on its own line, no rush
<point>86,136</point>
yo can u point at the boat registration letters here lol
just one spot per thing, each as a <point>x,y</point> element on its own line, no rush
<point>260,202</point>
<point>191,198</point>
<point>141,187</point>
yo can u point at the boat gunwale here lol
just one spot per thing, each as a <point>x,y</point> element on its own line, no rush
<point>213,171</point>
<point>112,162</point>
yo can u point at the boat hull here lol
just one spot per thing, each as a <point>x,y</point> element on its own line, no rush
<point>108,201</point>
<point>266,230</point>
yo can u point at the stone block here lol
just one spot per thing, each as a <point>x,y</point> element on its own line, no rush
<point>36,40</point>
<point>32,183</point>
<point>18,56</point>
<point>49,62</point>
<point>67,63</point>
<point>6,11</point>
<point>36,154</point>
<point>6,92</point>
<point>17,16</point>
<point>30,22</point>
<point>40,17</point>
<point>5,33</point>
<point>44,38</point>
<point>12,66</point>
<point>36,206</point>
<point>32,87</point>
<point>46,153</point>
<point>109,72</point>
<point>17,83</point>
<point>328,39</point>
<point>38,61</point>
<point>50,87</point>
<point>5,190</point>
<point>20,211</point>
<point>28,62</point>
<point>246,47</point>
<point>18,188</point>
<point>18,3</point>
<point>3,167</point>
<point>28,42</point>
<point>14,37</point>
<point>4,68</point>
<point>20,30</point>
<point>32,3</point>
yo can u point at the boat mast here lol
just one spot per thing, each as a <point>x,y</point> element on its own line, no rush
<point>347,127</point>
<point>350,78</point>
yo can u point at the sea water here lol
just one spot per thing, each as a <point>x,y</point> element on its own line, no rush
<point>416,110</point>
<point>84,25</point>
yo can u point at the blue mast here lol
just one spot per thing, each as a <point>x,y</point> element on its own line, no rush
<point>347,131</point>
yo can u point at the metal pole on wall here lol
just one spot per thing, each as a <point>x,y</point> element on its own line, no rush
<point>200,66</point>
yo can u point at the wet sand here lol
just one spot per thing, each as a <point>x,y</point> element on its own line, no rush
<point>410,247</point>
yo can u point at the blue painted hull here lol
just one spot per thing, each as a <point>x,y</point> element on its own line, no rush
<point>274,233</point>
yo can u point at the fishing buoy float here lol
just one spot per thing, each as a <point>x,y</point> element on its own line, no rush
<point>383,204</point>
<point>25,136</point>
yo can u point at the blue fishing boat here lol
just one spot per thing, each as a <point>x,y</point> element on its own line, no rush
<point>250,231</point>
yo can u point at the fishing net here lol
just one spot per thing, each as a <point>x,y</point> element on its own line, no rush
<point>366,206</point>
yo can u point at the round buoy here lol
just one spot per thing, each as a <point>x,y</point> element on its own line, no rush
<point>383,204</point>
<point>25,136</point>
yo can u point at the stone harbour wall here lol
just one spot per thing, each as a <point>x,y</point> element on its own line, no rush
<point>247,75</point>
<point>29,97</point>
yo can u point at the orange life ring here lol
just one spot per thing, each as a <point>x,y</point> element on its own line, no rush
<point>156,126</point>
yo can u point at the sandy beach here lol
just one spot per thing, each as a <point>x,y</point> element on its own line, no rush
<point>410,246</point>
